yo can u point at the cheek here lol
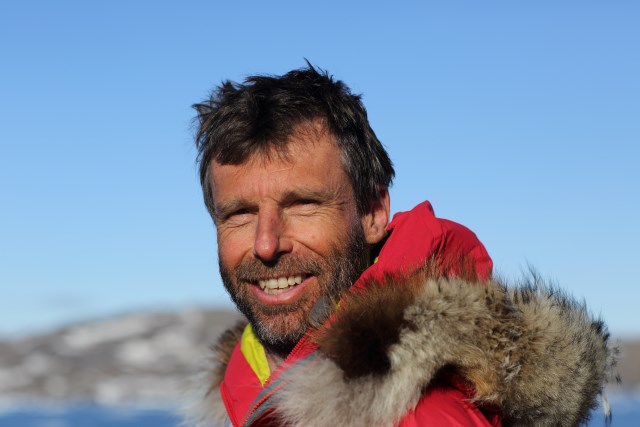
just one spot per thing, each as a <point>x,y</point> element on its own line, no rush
<point>322,240</point>
<point>230,251</point>
<point>310,235</point>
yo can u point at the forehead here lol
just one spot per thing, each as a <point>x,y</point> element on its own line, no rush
<point>311,160</point>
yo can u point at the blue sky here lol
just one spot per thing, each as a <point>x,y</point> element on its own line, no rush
<point>517,119</point>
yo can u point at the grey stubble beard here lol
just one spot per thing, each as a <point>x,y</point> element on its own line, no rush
<point>335,274</point>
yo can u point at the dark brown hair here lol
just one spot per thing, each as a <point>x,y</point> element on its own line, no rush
<point>238,120</point>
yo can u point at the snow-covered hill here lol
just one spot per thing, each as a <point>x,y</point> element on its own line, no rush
<point>135,358</point>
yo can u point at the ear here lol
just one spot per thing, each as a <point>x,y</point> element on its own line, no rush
<point>374,222</point>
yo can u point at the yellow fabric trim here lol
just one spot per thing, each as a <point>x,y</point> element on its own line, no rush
<point>254,353</point>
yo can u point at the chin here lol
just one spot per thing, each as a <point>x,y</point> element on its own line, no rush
<point>279,327</point>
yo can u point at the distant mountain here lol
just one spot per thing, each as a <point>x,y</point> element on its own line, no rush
<point>139,358</point>
<point>135,358</point>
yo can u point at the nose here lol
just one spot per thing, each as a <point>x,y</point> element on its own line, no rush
<point>270,241</point>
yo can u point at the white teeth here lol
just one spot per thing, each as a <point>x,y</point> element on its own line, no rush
<point>273,285</point>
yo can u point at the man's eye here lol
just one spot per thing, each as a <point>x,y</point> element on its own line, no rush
<point>303,202</point>
<point>237,216</point>
<point>239,212</point>
<point>304,206</point>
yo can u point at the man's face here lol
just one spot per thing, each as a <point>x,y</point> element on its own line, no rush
<point>288,234</point>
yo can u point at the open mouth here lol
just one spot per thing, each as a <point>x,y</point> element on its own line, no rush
<point>278,285</point>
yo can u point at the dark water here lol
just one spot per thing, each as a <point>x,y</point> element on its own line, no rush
<point>626,414</point>
<point>89,416</point>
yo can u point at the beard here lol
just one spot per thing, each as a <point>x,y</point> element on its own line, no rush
<point>280,326</point>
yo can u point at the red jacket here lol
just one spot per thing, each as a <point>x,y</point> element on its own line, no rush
<point>415,236</point>
<point>413,343</point>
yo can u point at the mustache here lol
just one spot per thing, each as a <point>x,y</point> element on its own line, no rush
<point>252,270</point>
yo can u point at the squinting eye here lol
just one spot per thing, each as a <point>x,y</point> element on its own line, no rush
<point>304,206</point>
<point>239,212</point>
<point>306,202</point>
<point>237,215</point>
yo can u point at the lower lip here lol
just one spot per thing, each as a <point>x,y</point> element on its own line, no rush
<point>286,297</point>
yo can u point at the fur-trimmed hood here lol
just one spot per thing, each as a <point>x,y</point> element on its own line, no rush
<point>530,350</point>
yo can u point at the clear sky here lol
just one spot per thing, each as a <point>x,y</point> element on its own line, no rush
<point>520,120</point>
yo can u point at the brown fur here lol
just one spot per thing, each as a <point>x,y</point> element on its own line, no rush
<point>359,318</point>
<point>362,312</point>
<point>208,409</point>
<point>531,350</point>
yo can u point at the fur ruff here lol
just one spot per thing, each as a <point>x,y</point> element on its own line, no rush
<point>206,408</point>
<point>532,351</point>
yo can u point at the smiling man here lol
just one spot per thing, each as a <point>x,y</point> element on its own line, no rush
<point>354,319</point>
<point>289,232</point>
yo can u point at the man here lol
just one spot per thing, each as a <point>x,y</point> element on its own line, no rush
<point>352,319</point>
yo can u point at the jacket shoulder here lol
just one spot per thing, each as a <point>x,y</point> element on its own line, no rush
<point>443,405</point>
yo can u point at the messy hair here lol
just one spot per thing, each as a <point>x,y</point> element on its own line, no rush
<point>259,116</point>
